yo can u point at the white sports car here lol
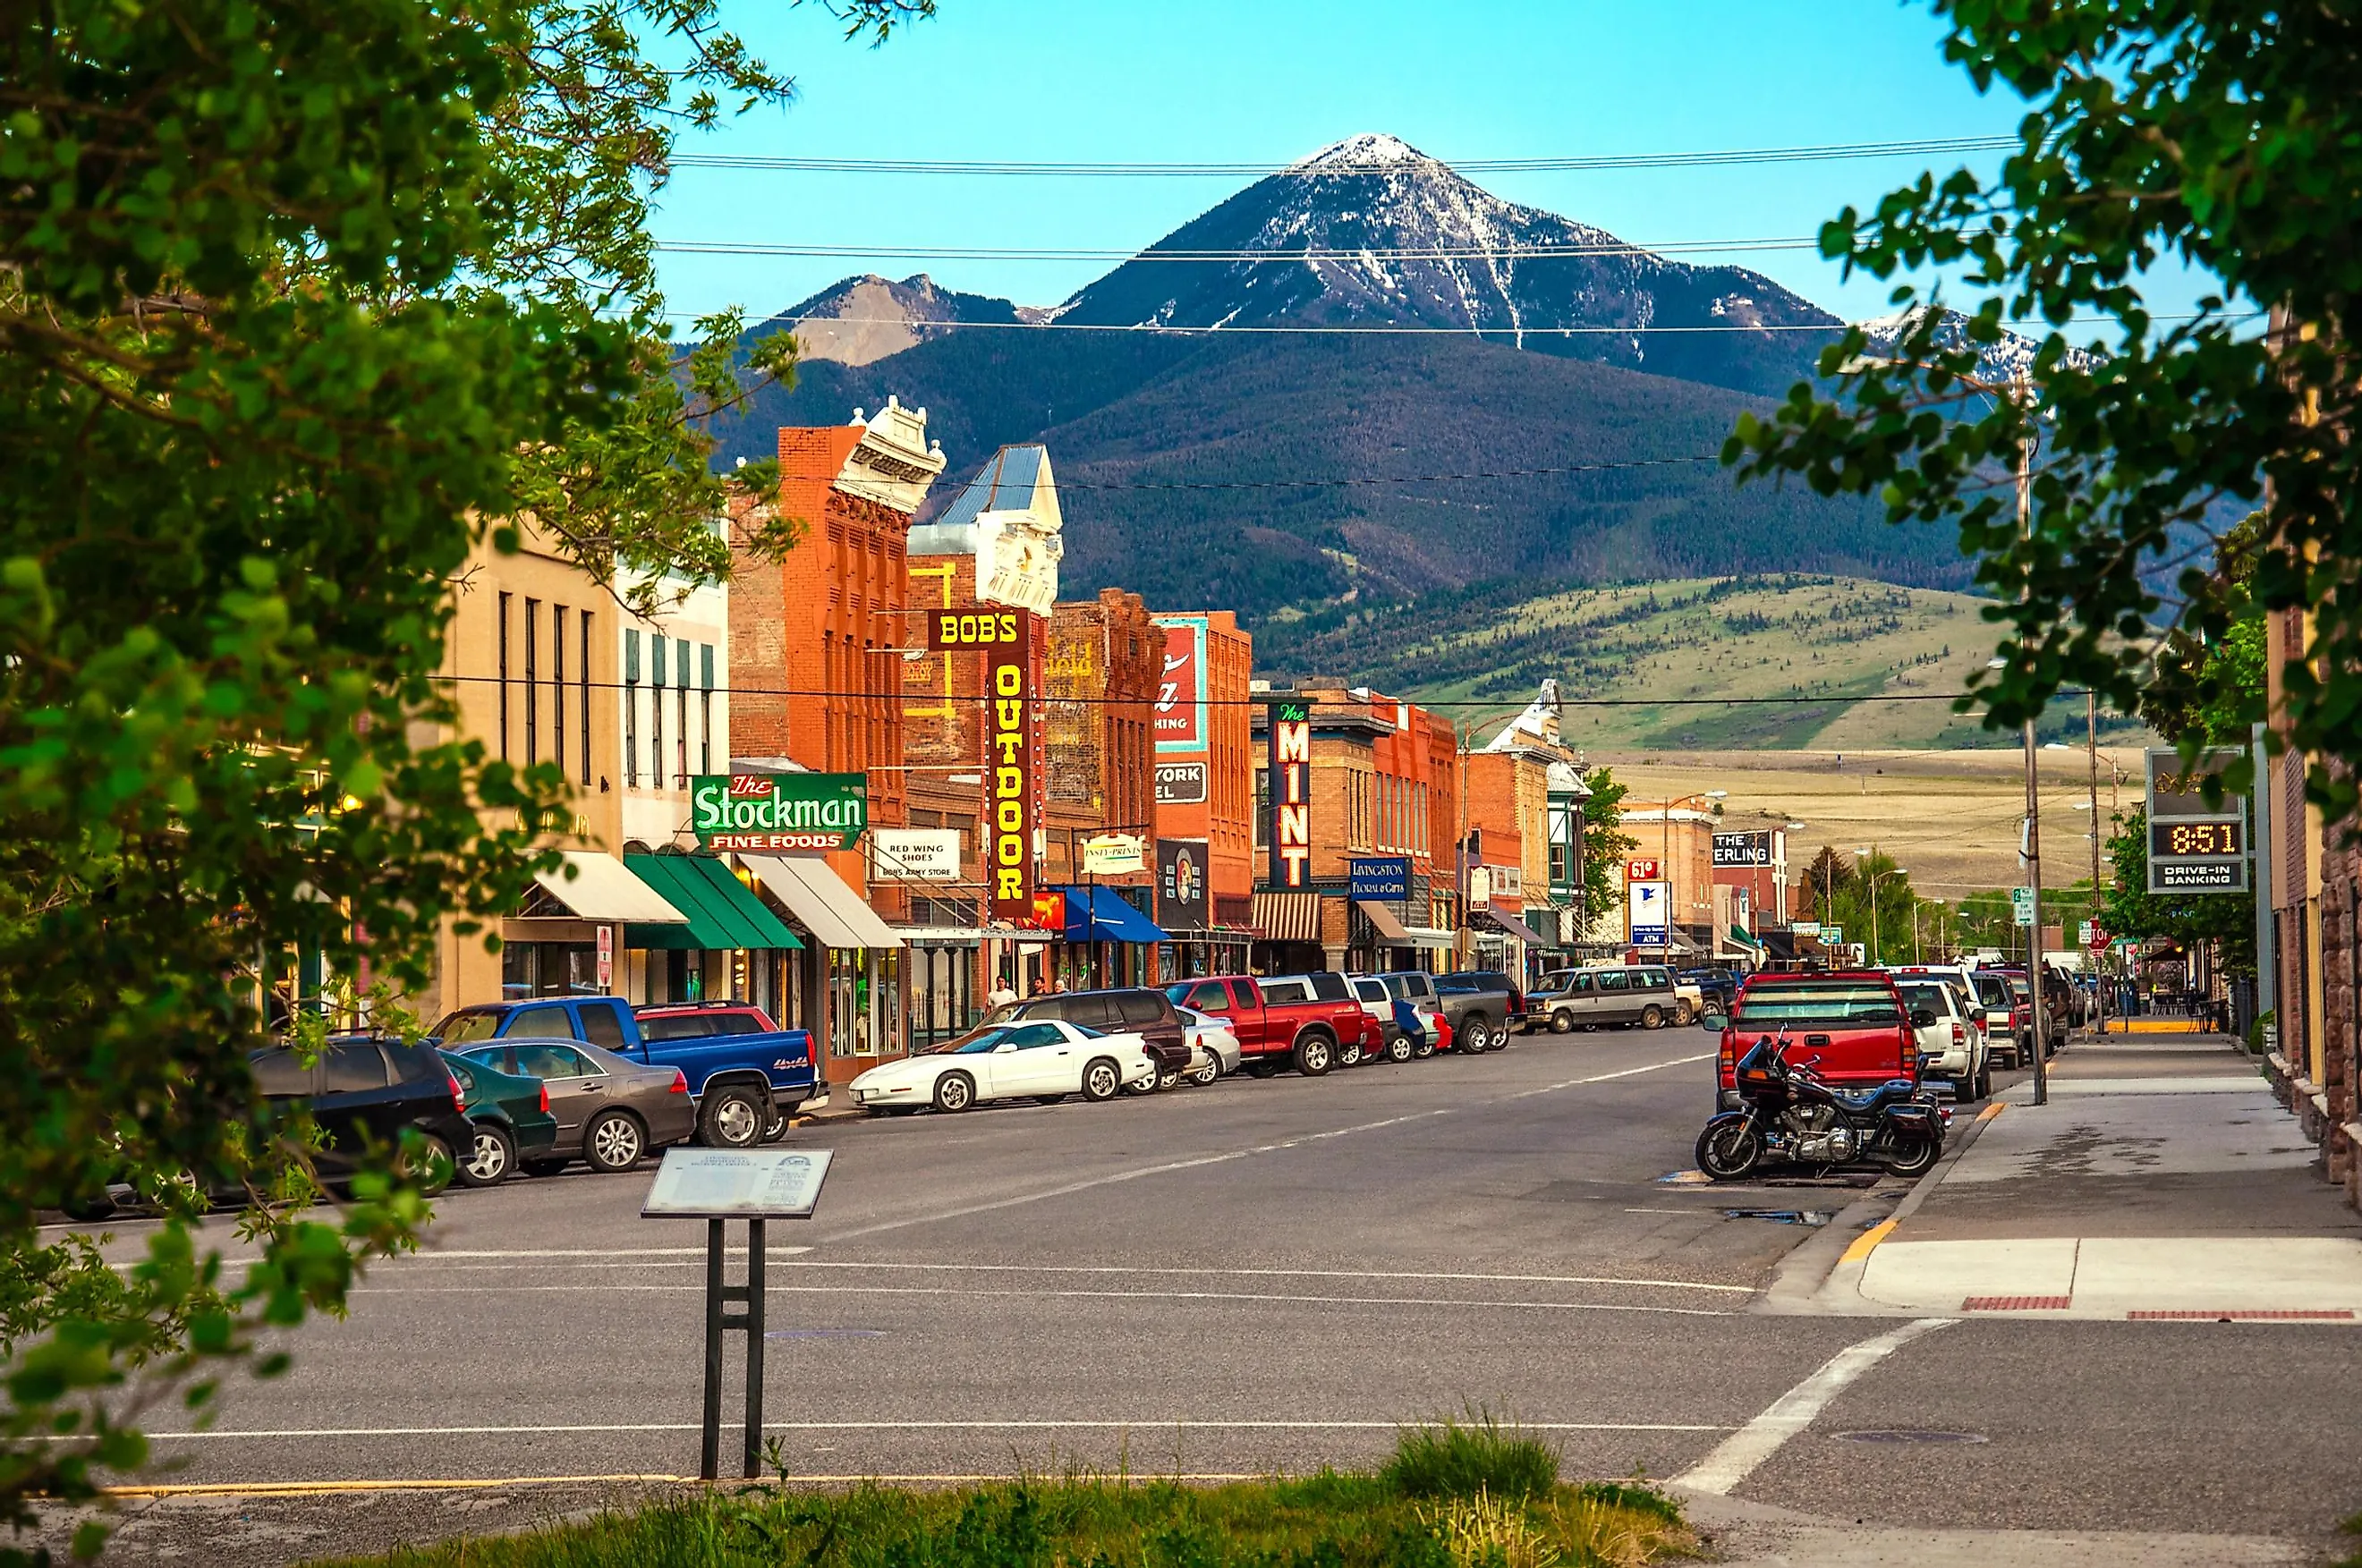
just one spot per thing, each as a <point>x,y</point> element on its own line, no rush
<point>1046,1059</point>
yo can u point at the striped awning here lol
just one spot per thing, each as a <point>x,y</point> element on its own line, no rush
<point>1288,916</point>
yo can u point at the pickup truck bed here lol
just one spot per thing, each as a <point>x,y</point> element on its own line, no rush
<point>1850,1026</point>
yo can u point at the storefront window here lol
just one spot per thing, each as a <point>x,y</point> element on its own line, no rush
<point>848,989</point>
<point>550,968</point>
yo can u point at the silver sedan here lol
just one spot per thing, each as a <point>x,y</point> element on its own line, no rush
<point>1213,1049</point>
<point>611,1111</point>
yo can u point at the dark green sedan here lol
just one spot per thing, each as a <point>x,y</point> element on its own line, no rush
<point>511,1117</point>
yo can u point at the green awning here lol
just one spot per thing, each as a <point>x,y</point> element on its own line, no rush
<point>1744,939</point>
<point>722,913</point>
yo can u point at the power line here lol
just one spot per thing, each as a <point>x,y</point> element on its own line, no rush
<point>1507,710</point>
<point>1348,480</point>
<point>1291,329</point>
<point>1926,146</point>
<point>1612,248</point>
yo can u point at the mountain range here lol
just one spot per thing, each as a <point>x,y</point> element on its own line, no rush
<point>1502,402</point>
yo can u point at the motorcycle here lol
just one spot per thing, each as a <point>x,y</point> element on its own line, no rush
<point>1793,1114</point>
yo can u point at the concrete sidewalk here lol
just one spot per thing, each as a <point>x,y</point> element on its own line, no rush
<point>2162,1181</point>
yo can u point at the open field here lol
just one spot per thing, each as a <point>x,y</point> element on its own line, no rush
<point>1951,817</point>
<point>1660,653</point>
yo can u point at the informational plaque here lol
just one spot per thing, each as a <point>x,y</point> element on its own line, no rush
<point>728,1184</point>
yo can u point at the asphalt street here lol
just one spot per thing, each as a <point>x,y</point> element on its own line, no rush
<point>1259,1275</point>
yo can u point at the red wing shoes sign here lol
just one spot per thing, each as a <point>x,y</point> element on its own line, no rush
<point>770,814</point>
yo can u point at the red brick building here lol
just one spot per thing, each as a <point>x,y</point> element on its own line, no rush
<point>1099,683</point>
<point>1204,789</point>
<point>816,669</point>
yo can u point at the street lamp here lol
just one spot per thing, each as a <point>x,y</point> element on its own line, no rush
<point>1666,858</point>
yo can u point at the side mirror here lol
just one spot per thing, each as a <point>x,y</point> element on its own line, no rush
<point>1923,1017</point>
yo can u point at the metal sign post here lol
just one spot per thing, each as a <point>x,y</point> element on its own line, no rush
<point>718,1186</point>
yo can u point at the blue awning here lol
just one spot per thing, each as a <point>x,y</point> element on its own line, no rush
<point>1100,915</point>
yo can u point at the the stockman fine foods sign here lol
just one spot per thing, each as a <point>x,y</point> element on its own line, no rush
<point>766,814</point>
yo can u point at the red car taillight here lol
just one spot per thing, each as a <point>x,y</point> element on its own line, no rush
<point>544,1099</point>
<point>680,1081</point>
<point>1960,1033</point>
<point>458,1095</point>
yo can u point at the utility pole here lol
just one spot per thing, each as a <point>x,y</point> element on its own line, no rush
<point>2033,793</point>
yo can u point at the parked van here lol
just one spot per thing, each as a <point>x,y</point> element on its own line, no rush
<point>1619,994</point>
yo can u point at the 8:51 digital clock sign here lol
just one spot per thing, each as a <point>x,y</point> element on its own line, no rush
<point>2195,844</point>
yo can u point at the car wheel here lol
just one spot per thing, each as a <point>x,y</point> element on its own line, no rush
<point>1315,1053</point>
<point>1100,1079</point>
<point>1170,1079</point>
<point>1423,1049</point>
<point>1209,1073</point>
<point>955,1091</point>
<point>775,1126</point>
<point>1561,1021</point>
<point>1682,1014</point>
<point>1476,1036</point>
<point>91,1207</point>
<point>1349,1056</point>
<point>1049,1099</point>
<point>1400,1049</point>
<point>545,1166</point>
<point>1264,1067</point>
<point>432,1166</point>
<point>731,1118</point>
<point>492,1160</point>
<point>613,1141</point>
<point>1652,1016</point>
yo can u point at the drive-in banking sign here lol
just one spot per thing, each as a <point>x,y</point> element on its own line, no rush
<point>765,814</point>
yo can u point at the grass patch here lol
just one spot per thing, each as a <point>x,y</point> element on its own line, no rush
<point>1459,1459</point>
<point>1463,1495</point>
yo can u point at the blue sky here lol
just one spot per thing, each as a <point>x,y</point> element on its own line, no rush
<point>1252,80</point>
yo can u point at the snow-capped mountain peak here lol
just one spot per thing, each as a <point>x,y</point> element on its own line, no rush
<point>1369,151</point>
<point>1370,232</point>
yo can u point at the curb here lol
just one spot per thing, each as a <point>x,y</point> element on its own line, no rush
<point>1823,1278</point>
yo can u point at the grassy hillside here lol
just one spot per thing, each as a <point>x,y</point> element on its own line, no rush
<point>1200,471</point>
<point>1657,649</point>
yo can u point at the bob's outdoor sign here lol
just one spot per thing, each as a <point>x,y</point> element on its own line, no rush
<point>1013,755</point>
<point>766,814</point>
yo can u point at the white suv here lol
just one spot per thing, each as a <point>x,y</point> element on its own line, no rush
<point>1954,1035</point>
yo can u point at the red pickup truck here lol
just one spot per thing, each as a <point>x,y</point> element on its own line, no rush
<point>1306,1021</point>
<point>1851,1026</point>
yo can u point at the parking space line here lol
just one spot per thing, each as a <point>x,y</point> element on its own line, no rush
<point>1170,1167</point>
<point>1736,1457</point>
<point>1147,1424</point>
<point>1003,1291</point>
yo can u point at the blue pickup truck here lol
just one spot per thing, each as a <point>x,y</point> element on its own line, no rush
<point>745,1074</point>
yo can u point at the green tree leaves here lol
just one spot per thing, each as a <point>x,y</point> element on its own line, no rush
<point>2225,137</point>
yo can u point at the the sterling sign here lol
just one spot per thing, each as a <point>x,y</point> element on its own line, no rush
<point>766,814</point>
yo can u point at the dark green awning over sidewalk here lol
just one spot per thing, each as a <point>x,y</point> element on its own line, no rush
<point>722,913</point>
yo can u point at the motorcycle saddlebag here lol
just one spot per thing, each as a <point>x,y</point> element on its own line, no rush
<point>1915,1117</point>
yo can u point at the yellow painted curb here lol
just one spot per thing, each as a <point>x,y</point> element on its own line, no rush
<point>1995,1108</point>
<point>1867,1242</point>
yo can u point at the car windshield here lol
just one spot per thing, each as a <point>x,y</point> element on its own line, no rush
<point>460,1028</point>
<point>2019,989</point>
<point>1817,1001</point>
<point>974,1044</point>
